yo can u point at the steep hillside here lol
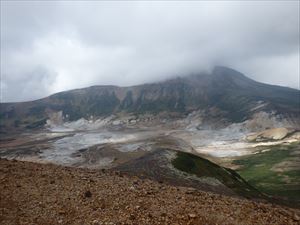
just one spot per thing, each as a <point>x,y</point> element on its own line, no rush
<point>47,194</point>
<point>228,93</point>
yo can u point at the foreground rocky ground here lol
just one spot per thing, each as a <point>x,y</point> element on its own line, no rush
<point>47,194</point>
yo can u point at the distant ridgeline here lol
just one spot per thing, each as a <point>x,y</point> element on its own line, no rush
<point>224,94</point>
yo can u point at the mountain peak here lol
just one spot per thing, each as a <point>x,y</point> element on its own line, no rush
<point>228,72</point>
<point>224,69</point>
<point>225,89</point>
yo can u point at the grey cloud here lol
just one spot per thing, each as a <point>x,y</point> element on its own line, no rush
<point>126,43</point>
<point>17,88</point>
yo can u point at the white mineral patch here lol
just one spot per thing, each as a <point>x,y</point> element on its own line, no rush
<point>130,147</point>
<point>80,125</point>
<point>60,129</point>
<point>220,153</point>
<point>62,150</point>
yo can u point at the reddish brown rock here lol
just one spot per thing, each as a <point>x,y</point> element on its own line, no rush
<point>109,199</point>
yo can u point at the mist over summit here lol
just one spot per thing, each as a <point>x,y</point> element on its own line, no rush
<point>224,94</point>
<point>149,112</point>
<point>61,46</point>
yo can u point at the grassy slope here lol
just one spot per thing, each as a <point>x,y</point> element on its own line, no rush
<point>203,168</point>
<point>256,169</point>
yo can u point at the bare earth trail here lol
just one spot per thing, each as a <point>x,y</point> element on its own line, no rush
<point>47,194</point>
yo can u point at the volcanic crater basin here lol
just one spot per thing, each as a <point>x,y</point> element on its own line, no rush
<point>137,151</point>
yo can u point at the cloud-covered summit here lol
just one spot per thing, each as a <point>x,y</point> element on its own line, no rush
<point>52,46</point>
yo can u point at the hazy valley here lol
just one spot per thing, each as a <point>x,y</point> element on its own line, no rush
<point>168,131</point>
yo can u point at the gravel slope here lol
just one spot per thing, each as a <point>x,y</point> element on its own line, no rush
<point>34,193</point>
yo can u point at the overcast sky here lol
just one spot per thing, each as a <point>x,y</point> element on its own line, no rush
<point>50,46</point>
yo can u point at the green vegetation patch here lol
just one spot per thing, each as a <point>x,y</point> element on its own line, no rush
<point>204,168</point>
<point>258,170</point>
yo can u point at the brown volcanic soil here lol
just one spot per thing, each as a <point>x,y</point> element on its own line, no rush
<point>47,194</point>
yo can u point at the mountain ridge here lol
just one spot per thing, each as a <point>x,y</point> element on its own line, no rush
<point>228,92</point>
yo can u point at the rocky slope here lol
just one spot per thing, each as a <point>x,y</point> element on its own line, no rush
<point>47,194</point>
<point>224,95</point>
